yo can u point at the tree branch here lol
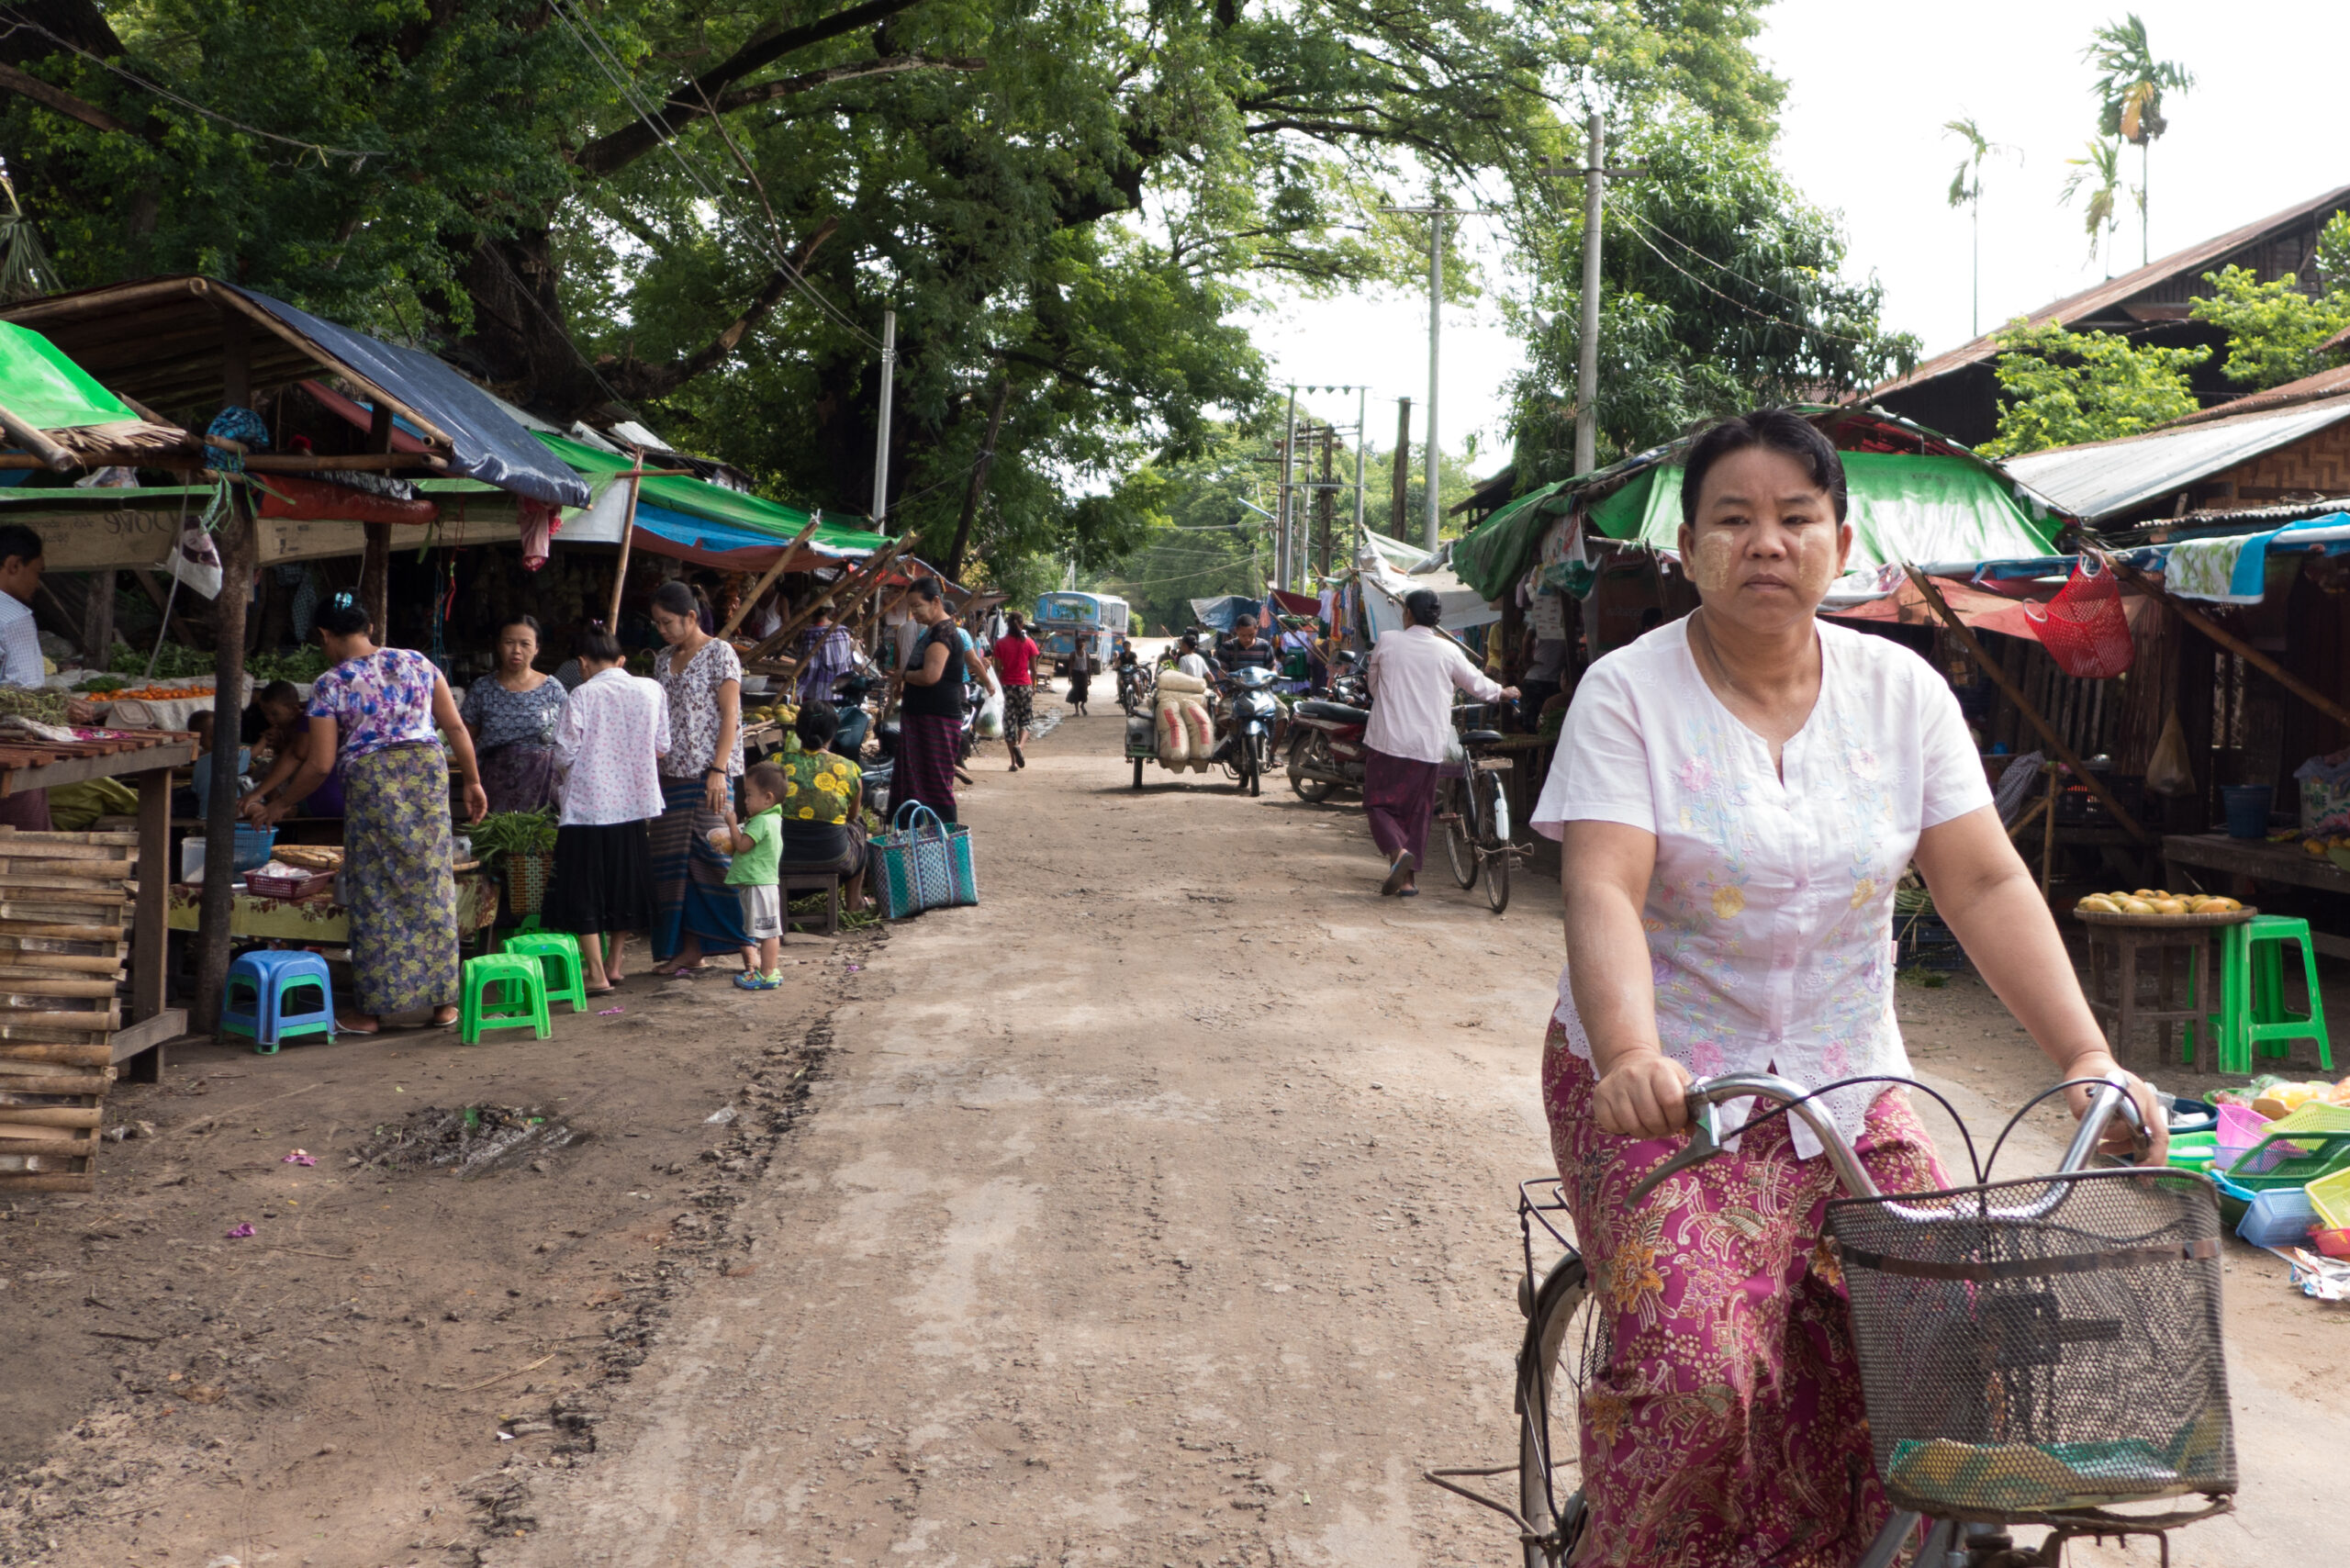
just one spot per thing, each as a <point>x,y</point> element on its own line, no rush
<point>639,380</point>
<point>608,154</point>
<point>26,84</point>
<point>787,86</point>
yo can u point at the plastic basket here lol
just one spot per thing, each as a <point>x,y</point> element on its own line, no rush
<point>527,873</point>
<point>2279,1217</point>
<point>2017,1365</point>
<point>2240,1127</point>
<point>2329,1196</point>
<point>2296,1149</point>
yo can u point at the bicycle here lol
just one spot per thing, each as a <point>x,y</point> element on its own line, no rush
<point>2002,1331</point>
<point>1474,809</point>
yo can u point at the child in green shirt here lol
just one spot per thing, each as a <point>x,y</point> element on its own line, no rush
<point>757,847</point>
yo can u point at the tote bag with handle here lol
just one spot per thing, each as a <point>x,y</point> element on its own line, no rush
<point>921,863</point>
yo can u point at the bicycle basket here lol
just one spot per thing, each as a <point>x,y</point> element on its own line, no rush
<point>2033,1346</point>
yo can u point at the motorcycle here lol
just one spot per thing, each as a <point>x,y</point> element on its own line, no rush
<point>1253,712</point>
<point>1135,681</point>
<point>1327,753</point>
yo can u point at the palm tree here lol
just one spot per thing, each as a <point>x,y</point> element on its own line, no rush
<point>2130,98</point>
<point>2100,175</point>
<point>1966,190</point>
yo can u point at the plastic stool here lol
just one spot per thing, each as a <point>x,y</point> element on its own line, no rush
<point>521,1002</point>
<point>558,956</point>
<point>2256,1002</point>
<point>253,1002</point>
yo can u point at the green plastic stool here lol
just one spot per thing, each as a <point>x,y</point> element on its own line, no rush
<point>521,1002</point>
<point>2253,1017</point>
<point>558,955</point>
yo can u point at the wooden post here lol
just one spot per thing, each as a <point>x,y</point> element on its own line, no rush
<point>1326,503</point>
<point>628,538</point>
<point>767,578</point>
<point>149,935</point>
<point>2154,588</point>
<point>375,563</point>
<point>843,596</point>
<point>98,619</point>
<point>2048,735</point>
<point>236,544</point>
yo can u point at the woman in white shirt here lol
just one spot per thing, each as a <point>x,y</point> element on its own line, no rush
<point>1736,795</point>
<point>607,742</point>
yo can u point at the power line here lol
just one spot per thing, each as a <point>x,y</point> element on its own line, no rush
<point>359,155</point>
<point>1730,299</point>
<point>608,63</point>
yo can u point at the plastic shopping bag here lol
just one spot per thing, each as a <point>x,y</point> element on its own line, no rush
<point>989,725</point>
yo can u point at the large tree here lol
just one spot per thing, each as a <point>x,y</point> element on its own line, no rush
<point>700,212</point>
<point>1721,288</point>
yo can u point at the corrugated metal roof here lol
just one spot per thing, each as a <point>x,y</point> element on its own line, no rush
<point>2334,383</point>
<point>2112,291</point>
<point>2108,477</point>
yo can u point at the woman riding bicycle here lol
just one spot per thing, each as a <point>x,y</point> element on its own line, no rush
<point>1736,794</point>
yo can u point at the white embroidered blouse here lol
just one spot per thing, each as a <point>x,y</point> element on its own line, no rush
<point>1769,919</point>
<point>608,744</point>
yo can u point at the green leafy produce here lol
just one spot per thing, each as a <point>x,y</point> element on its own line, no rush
<point>513,833</point>
<point>304,664</point>
<point>175,662</point>
<point>48,707</point>
<point>102,683</point>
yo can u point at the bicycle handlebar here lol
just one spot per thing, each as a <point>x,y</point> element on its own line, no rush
<point>1705,1132</point>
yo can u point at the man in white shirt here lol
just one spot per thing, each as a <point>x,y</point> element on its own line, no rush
<point>1191,661</point>
<point>20,565</point>
<point>1413,673</point>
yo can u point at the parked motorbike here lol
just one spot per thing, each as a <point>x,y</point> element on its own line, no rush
<point>1327,753</point>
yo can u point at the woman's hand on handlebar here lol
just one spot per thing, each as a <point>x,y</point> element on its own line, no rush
<point>1646,1094</point>
<point>2121,1138</point>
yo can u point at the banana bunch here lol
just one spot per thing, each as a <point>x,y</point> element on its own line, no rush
<point>2157,901</point>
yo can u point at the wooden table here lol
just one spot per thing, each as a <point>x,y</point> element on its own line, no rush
<point>2263,862</point>
<point>149,759</point>
<point>2118,955</point>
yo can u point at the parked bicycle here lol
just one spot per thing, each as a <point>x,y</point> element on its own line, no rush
<point>1473,808</point>
<point>2033,1351</point>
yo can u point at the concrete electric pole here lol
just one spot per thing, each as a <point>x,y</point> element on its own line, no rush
<point>1594,174</point>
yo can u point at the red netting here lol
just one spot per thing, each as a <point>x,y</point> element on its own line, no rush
<point>2083,627</point>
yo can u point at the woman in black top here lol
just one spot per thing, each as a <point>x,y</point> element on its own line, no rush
<point>930,720</point>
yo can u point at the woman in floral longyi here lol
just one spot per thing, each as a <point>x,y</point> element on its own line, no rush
<point>1736,794</point>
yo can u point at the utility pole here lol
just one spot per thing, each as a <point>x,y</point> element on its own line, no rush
<point>1281,545</point>
<point>1402,483</point>
<point>1362,408</point>
<point>1325,503</point>
<point>882,430</point>
<point>1594,174</point>
<point>1436,214</point>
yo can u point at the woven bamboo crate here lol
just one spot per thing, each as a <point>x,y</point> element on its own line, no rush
<point>62,929</point>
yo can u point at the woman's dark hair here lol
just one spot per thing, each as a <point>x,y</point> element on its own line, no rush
<point>344,619</point>
<point>1423,605</point>
<point>283,693</point>
<point>676,598</point>
<point>927,587</point>
<point>1777,429</point>
<point>597,642</point>
<point>818,722</point>
<point>530,621</point>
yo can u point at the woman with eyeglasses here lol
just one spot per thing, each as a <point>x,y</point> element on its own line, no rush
<point>694,910</point>
<point>381,713</point>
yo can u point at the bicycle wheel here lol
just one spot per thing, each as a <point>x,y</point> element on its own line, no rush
<point>1550,1452</point>
<point>1453,803</point>
<point>1492,847</point>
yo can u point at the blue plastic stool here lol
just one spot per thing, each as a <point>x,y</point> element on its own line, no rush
<point>253,1002</point>
<point>558,956</point>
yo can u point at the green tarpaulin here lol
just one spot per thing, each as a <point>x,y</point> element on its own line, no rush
<point>1497,552</point>
<point>48,391</point>
<point>714,503</point>
<point>1904,507</point>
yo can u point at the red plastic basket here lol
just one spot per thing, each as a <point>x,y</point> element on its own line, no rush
<point>2083,627</point>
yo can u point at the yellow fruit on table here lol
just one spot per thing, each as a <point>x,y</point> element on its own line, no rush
<point>2146,893</point>
<point>2136,906</point>
<point>2099,904</point>
<point>2312,846</point>
<point>2169,906</point>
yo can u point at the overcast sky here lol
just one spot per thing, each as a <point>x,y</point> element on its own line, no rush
<point>1868,93</point>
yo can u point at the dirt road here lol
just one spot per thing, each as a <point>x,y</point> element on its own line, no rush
<point>1159,1212</point>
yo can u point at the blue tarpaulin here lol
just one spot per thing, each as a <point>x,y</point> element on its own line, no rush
<point>486,443</point>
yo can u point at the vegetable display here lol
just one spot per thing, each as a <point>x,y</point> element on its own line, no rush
<point>513,833</point>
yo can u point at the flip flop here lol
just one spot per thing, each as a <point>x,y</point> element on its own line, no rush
<point>448,1022</point>
<point>342,1028</point>
<point>1397,875</point>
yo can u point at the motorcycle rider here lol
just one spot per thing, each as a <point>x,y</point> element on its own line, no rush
<point>1412,672</point>
<point>1244,650</point>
